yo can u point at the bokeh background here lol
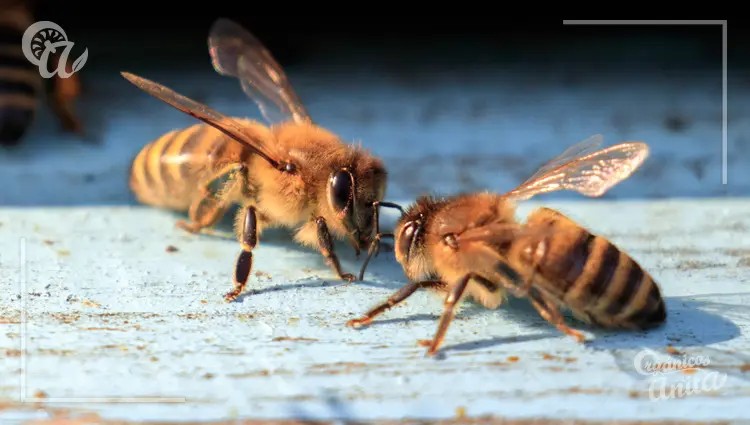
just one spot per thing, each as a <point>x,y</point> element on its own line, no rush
<point>451,103</point>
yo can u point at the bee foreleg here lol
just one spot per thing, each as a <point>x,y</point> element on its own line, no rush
<point>398,297</point>
<point>445,320</point>
<point>550,313</point>
<point>248,237</point>
<point>208,209</point>
<point>325,244</point>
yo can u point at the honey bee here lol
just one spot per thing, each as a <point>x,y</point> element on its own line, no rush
<point>293,174</point>
<point>21,84</point>
<point>471,245</point>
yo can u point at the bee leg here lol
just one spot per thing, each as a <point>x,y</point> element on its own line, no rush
<point>204,213</point>
<point>68,119</point>
<point>325,244</point>
<point>445,320</point>
<point>209,208</point>
<point>522,290</point>
<point>61,93</point>
<point>400,295</point>
<point>248,238</point>
<point>550,313</point>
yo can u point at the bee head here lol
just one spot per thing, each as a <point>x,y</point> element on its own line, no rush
<point>409,239</point>
<point>352,193</point>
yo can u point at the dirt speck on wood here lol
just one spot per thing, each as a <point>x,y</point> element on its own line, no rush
<point>286,338</point>
<point>698,265</point>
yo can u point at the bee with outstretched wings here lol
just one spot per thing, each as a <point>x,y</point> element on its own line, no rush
<point>290,173</point>
<point>471,245</point>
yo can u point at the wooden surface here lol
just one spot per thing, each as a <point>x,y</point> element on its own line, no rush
<point>111,315</point>
<point>120,329</point>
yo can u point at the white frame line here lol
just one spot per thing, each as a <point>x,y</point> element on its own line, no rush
<point>24,294</point>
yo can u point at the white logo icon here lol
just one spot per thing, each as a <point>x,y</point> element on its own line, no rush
<point>45,37</point>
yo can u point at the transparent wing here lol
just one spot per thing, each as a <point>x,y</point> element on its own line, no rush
<point>237,53</point>
<point>575,151</point>
<point>202,112</point>
<point>590,174</point>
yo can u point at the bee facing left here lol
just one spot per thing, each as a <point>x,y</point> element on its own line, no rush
<point>20,81</point>
<point>471,245</point>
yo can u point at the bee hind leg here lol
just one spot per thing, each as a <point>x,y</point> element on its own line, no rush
<point>398,297</point>
<point>204,213</point>
<point>550,313</point>
<point>209,208</point>
<point>248,237</point>
<point>325,244</point>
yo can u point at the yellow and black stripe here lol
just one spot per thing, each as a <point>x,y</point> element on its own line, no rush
<point>604,282</point>
<point>169,171</point>
<point>20,82</point>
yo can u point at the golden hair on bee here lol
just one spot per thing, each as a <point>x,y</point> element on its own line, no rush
<point>471,245</point>
<point>21,85</point>
<point>291,173</point>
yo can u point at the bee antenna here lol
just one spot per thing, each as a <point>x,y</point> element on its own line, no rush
<point>389,205</point>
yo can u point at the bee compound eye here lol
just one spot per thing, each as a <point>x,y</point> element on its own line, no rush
<point>406,238</point>
<point>342,186</point>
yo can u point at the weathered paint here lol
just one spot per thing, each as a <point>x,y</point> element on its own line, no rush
<point>112,314</point>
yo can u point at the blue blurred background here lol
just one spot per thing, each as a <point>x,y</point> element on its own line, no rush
<point>451,103</point>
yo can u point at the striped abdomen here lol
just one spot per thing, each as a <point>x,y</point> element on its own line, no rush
<point>169,171</point>
<point>594,278</point>
<point>20,82</point>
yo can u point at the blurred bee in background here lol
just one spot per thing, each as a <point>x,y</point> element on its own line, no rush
<point>21,85</point>
<point>471,244</point>
<point>292,174</point>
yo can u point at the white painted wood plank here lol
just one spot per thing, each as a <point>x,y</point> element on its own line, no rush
<point>111,314</point>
